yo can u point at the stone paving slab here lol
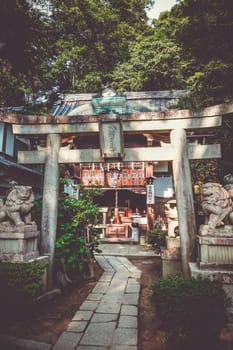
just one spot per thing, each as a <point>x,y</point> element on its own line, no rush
<point>133,281</point>
<point>128,264</point>
<point>77,326</point>
<point>116,263</point>
<point>133,288</point>
<point>125,250</point>
<point>101,287</point>
<point>129,310</point>
<point>122,347</point>
<point>125,336</point>
<point>89,305</point>
<point>118,283</point>
<point>128,322</point>
<point>100,318</point>
<point>108,306</point>
<point>104,264</point>
<point>83,347</point>
<point>106,277</point>
<point>94,296</point>
<point>82,315</point>
<point>130,299</point>
<point>99,334</point>
<point>67,341</point>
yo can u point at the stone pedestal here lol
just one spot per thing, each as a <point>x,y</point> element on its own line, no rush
<point>215,248</point>
<point>18,243</point>
<point>215,258</point>
<point>171,257</point>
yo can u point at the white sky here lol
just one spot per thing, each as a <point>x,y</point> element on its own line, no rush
<point>160,6</point>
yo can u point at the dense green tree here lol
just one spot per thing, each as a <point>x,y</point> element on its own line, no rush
<point>11,84</point>
<point>157,60</point>
<point>189,47</point>
<point>21,49</point>
<point>154,65</point>
<point>90,37</point>
<point>206,38</point>
<point>81,45</point>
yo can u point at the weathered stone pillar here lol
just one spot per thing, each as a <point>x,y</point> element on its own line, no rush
<point>50,202</point>
<point>184,197</point>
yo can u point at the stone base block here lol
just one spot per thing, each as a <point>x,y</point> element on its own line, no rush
<point>18,243</point>
<point>170,254</point>
<point>215,251</point>
<point>225,276</point>
<point>170,267</point>
<point>172,242</point>
<point>171,261</point>
<point>223,231</point>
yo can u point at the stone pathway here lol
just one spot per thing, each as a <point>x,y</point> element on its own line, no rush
<point>108,318</point>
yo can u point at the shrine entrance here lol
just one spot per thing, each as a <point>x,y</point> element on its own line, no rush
<point>113,130</point>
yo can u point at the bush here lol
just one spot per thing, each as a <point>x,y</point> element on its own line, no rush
<point>193,311</point>
<point>20,285</point>
<point>70,250</point>
<point>72,245</point>
<point>77,237</point>
<point>157,238</point>
<point>23,277</point>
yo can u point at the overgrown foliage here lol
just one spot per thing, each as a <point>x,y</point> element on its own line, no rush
<point>76,232</point>
<point>205,170</point>
<point>193,311</point>
<point>157,239</point>
<point>22,50</point>
<point>77,237</point>
<point>12,275</point>
<point>89,38</point>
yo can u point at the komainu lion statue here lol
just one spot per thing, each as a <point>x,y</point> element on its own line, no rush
<point>216,204</point>
<point>18,205</point>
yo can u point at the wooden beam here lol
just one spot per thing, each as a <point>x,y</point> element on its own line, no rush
<point>137,154</point>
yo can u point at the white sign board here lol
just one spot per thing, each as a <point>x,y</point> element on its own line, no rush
<point>150,194</point>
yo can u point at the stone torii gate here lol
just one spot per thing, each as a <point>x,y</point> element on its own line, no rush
<point>179,152</point>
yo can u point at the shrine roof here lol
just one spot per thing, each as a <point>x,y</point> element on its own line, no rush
<point>109,103</point>
<point>11,164</point>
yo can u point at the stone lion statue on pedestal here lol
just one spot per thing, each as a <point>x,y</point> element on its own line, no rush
<point>216,204</point>
<point>18,205</point>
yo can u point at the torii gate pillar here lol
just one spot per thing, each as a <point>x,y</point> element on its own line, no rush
<point>50,202</point>
<point>184,197</point>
